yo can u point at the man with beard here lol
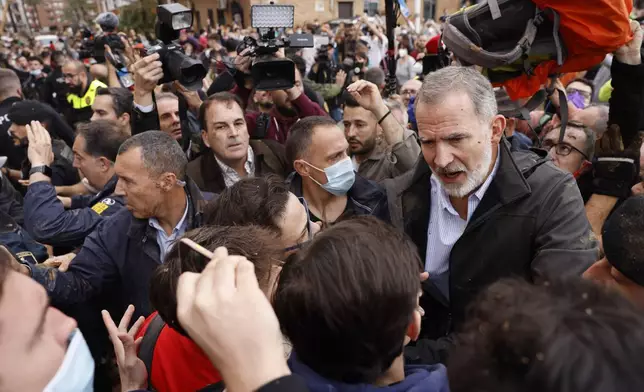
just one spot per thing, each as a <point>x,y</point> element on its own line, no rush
<point>10,93</point>
<point>263,101</point>
<point>82,91</point>
<point>60,170</point>
<point>380,147</point>
<point>491,213</point>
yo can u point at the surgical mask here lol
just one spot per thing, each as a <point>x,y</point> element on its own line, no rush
<point>36,72</point>
<point>340,177</point>
<point>77,371</point>
<point>402,52</point>
<point>577,99</point>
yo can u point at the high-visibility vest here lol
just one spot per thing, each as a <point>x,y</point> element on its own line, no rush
<point>88,99</point>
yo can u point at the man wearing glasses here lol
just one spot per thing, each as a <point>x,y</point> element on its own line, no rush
<point>82,91</point>
<point>576,150</point>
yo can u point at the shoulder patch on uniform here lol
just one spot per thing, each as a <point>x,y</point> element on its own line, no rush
<point>108,201</point>
<point>100,207</point>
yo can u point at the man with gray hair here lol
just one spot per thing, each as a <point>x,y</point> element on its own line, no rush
<point>491,213</point>
<point>119,256</point>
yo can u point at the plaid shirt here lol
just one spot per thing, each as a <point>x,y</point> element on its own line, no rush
<point>231,176</point>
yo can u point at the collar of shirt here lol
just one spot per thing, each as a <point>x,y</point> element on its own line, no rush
<point>474,199</point>
<point>179,227</point>
<point>230,175</point>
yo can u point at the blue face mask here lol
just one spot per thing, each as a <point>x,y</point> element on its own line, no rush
<point>340,177</point>
<point>77,371</point>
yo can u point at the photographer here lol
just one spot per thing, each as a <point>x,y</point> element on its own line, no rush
<point>290,105</point>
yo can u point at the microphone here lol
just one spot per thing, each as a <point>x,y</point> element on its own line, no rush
<point>108,21</point>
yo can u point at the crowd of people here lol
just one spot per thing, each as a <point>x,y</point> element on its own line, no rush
<point>333,236</point>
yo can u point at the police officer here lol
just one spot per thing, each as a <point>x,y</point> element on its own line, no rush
<point>10,93</point>
<point>82,91</point>
<point>95,150</point>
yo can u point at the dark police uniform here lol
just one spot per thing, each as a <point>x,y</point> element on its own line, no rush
<point>47,220</point>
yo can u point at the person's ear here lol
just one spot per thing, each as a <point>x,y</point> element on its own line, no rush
<point>125,118</point>
<point>104,164</point>
<point>301,168</point>
<point>204,137</point>
<point>498,127</point>
<point>413,330</point>
<point>166,182</point>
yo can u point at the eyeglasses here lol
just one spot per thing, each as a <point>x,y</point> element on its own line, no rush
<point>308,228</point>
<point>69,76</point>
<point>562,149</point>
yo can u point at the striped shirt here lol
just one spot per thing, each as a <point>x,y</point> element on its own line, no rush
<point>446,227</point>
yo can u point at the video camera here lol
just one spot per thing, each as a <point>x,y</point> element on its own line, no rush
<point>171,19</point>
<point>269,72</point>
<point>94,46</point>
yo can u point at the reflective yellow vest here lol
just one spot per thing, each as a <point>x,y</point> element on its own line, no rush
<point>86,100</point>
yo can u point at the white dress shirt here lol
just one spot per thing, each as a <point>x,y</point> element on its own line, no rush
<point>231,176</point>
<point>445,225</point>
<point>164,240</point>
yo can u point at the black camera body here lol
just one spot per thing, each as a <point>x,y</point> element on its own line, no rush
<point>269,72</point>
<point>171,18</point>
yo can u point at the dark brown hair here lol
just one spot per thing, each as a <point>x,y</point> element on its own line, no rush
<point>103,138</point>
<point>346,300</point>
<point>258,245</point>
<point>570,336</point>
<point>220,97</point>
<point>251,201</point>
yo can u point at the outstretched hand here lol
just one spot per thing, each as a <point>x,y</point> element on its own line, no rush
<point>630,52</point>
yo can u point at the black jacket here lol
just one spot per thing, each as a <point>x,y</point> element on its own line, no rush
<point>364,198</point>
<point>48,222</point>
<point>270,158</point>
<point>55,90</point>
<point>118,258</point>
<point>11,200</point>
<point>530,223</point>
<point>15,155</point>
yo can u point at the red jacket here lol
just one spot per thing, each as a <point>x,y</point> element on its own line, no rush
<point>178,363</point>
<point>279,125</point>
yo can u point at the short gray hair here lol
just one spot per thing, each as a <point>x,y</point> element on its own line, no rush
<point>437,85</point>
<point>160,153</point>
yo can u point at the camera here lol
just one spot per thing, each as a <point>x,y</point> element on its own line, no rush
<point>94,46</point>
<point>269,72</point>
<point>171,19</point>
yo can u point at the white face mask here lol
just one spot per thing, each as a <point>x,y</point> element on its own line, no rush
<point>402,52</point>
<point>77,370</point>
<point>36,72</point>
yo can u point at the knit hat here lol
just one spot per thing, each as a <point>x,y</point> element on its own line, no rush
<point>623,239</point>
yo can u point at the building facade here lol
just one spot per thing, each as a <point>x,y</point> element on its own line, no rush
<point>226,11</point>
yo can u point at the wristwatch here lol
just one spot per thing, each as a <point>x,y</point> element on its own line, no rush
<point>44,169</point>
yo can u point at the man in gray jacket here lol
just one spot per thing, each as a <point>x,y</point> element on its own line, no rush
<point>477,211</point>
<point>380,146</point>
